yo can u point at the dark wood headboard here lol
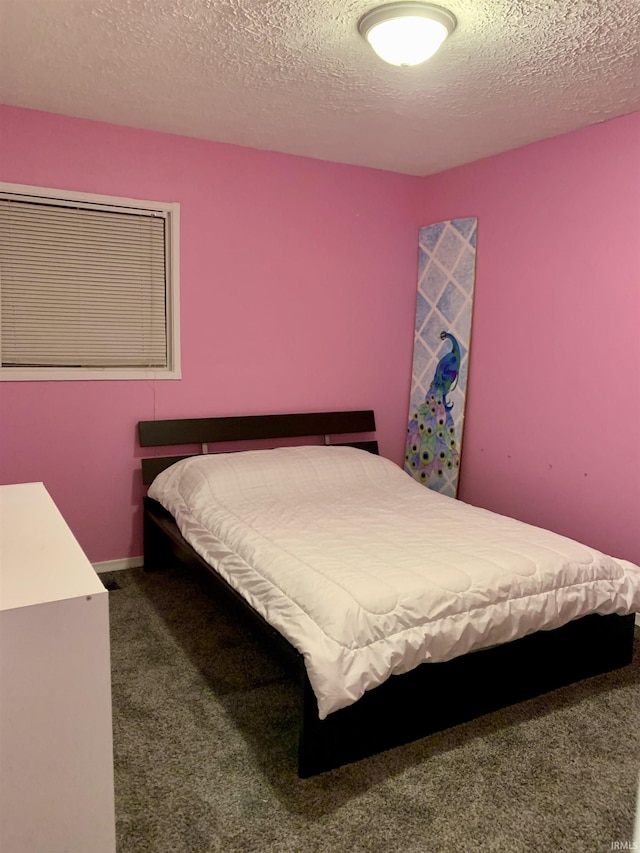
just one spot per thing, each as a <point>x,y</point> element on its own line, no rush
<point>251,427</point>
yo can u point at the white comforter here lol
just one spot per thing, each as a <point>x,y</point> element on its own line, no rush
<point>367,573</point>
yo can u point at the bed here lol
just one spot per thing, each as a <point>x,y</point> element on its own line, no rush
<point>401,611</point>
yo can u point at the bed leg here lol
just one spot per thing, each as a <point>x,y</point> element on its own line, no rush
<point>311,748</point>
<point>154,546</point>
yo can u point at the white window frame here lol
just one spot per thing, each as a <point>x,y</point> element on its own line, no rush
<point>171,212</point>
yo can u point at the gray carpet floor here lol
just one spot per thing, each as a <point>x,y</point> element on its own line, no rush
<point>205,748</point>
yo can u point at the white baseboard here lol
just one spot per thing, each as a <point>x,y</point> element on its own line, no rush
<point>118,565</point>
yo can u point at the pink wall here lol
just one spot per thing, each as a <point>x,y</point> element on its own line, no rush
<point>297,294</point>
<point>552,433</point>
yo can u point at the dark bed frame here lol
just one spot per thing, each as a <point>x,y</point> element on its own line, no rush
<point>430,698</point>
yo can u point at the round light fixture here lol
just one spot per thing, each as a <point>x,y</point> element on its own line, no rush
<point>406,33</point>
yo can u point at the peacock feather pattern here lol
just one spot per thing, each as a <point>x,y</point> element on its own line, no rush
<point>432,449</point>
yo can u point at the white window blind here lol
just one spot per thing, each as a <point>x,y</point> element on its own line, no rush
<point>83,285</point>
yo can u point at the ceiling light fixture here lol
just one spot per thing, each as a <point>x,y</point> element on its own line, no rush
<point>406,33</point>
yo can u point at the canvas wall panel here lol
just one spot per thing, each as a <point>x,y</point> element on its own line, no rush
<point>446,277</point>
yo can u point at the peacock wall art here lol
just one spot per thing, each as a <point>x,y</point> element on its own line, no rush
<point>432,446</point>
<point>446,278</point>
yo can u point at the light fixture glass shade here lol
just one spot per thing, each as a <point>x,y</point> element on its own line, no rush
<point>406,33</point>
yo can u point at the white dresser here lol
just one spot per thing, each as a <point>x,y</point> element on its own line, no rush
<point>56,747</point>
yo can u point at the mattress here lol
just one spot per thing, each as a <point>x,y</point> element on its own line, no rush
<point>367,573</point>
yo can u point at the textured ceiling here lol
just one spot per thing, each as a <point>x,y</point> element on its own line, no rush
<point>295,75</point>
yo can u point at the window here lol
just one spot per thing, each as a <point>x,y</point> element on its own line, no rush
<point>88,286</point>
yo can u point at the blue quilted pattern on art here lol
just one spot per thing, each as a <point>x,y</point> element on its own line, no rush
<point>431,329</point>
<point>444,307</point>
<point>451,302</point>
<point>423,260</point>
<point>429,236</point>
<point>421,359</point>
<point>422,311</point>
<point>449,249</point>
<point>433,282</point>
<point>464,226</point>
<point>464,269</point>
